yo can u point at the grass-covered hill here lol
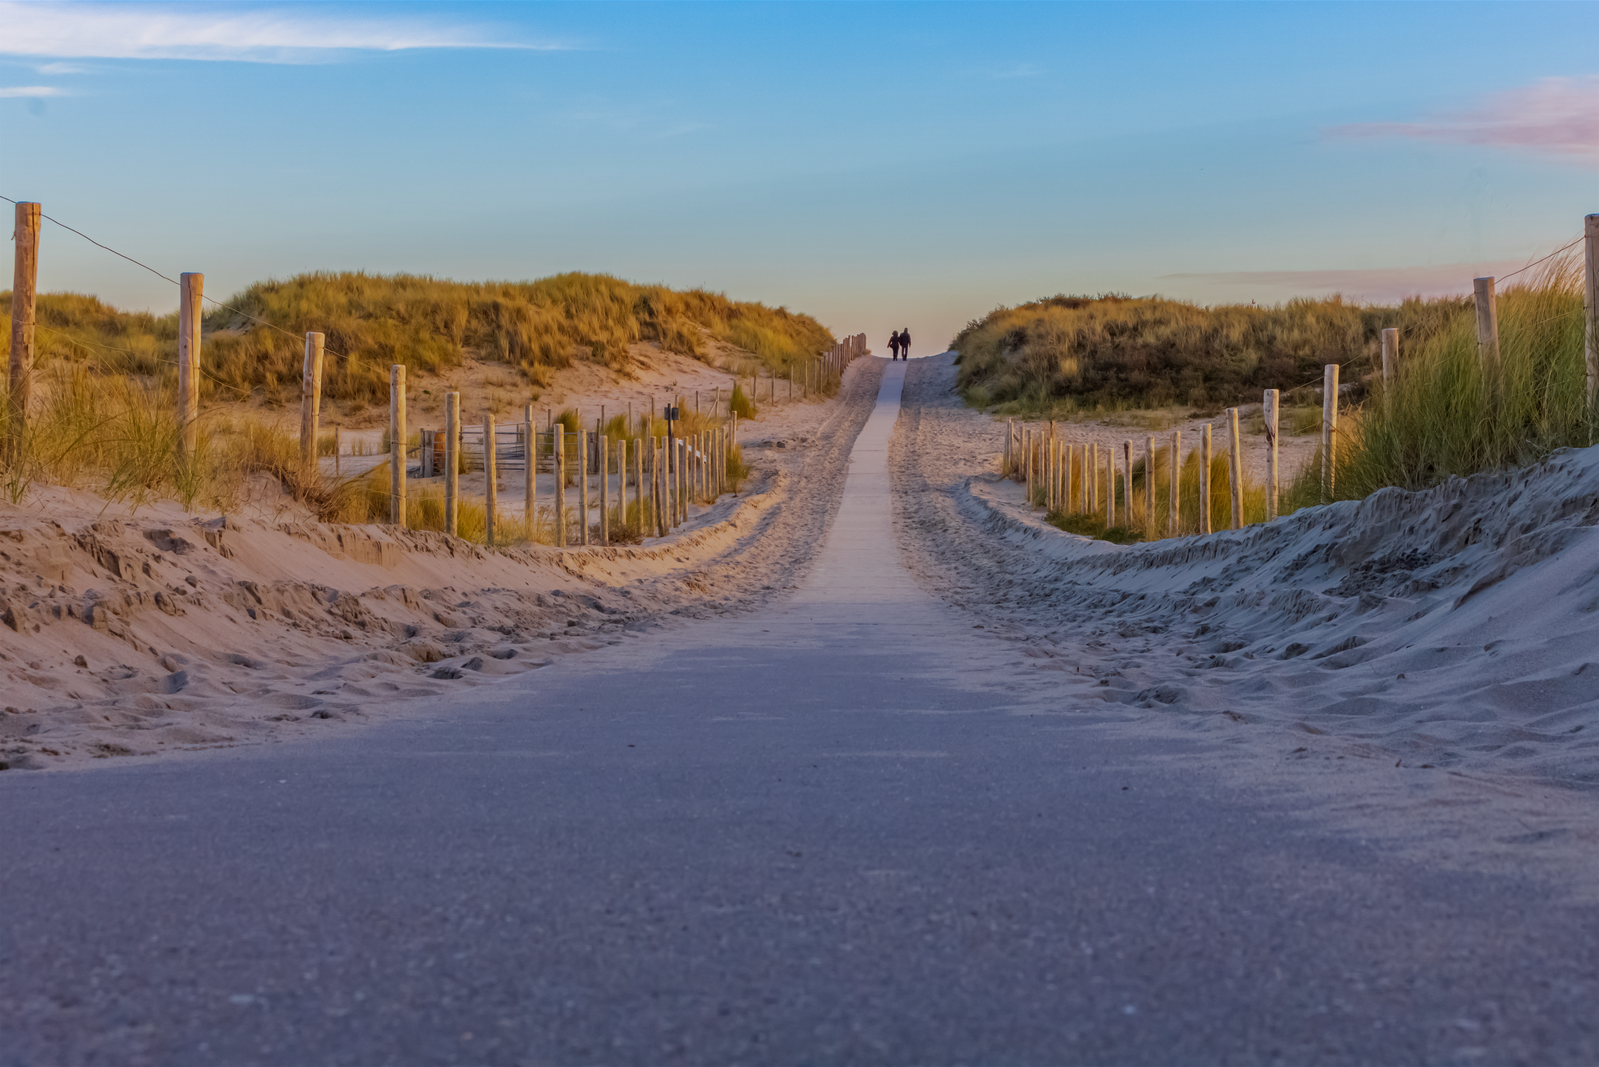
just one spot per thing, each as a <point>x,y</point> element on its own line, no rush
<point>429,324</point>
<point>1077,352</point>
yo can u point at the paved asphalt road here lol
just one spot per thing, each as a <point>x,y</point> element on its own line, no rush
<point>831,832</point>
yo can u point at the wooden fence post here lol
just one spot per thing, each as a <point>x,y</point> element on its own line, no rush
<point>1235,469</point>
<point>1390,355</point>
<point>1174,505</point>
<point>605,486</point>
<point>1110,487</point>
<point>1269,415</point>
<point>1149,484</point>
<point>1204,479</point>
<point>1092,456</point>
<point>191,291</point>
<point>24,304</point>
<point>638,485</point>
<point>1487,306</point>
<point>452,462</point>
<point>530,475</point>
<point>1329,429</point>
<point>558,443</point>
<point>311,402</point>
<point>1127,484</point>
<point>396,440</point>
<point>1590,259</point>
<point>583,485</point>
<point>491,477</point>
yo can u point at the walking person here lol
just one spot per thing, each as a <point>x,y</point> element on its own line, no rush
<point>893,346</point>
<point>905,344</point>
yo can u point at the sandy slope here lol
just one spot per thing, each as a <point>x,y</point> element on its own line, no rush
<point>129,634</point>
<point>1455,630</point>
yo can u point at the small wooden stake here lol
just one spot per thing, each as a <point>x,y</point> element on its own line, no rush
<point>1235,469</point>
<point>191,291</point>
<point>1127,484</point>
<point>1487,306</point>
<point>1093,477</point>
<point>452,462</point>
<point>1269,415</point>
<point>583,486</point>
<point>1329,429</point>
<point>396,441</point>
<point>491,473</point>
<point>1204,480</point>
<point>24,303</point>
<point>638,486</point>
<point>530,474</point>
<point>1149,485</point>
<point>605,486</point>
<point>1390,355</point>
<point>311,402</point>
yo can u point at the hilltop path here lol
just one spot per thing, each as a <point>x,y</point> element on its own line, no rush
<point>858,824</point>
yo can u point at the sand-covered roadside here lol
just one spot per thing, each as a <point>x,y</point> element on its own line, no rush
<point>1455,630</point>
<point>133,633</point>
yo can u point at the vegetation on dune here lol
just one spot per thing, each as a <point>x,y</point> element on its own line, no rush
<point>428,324</point>
<point>1070,353</point>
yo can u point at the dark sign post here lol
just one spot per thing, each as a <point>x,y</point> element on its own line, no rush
<point>671,417</point>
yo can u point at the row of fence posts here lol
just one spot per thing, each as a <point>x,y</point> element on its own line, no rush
<point>813,376</point>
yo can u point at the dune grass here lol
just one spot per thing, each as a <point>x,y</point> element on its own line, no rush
<point>1068,354</point>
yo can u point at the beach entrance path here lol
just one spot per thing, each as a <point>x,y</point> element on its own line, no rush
<point>841,829</point>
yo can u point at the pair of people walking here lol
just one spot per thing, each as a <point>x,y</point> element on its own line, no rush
<point>900,344</point>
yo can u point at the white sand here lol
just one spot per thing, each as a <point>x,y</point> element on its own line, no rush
<point>200,631</point>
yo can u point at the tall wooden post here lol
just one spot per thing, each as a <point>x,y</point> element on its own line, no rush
<point>1235,469</point>
<point>558,440</point>
<point>1269,415</point>
<point>491,478</point>
<point>397,435</point>
<point>1390,355</point>
<point>530,473</point>
<point>1590,259</point>
<point>1127,484</point>
<point>1149,484</point>
<point>1174,506</point>
<point>24,302</point>
<point>311,401</point>
<point>1204,480</point>
<point>1092,456</point>
<point>583,486</point>
<point>1110,487</point>
<point>1329,429</point>
<point>191,291</point>
<point>605,486</point>
<point>452,462</point>
<point>638,485</point>
<point>1487,306</point>
<point>621,482</point>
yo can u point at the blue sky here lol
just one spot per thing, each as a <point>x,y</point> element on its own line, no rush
<point>877,165</point>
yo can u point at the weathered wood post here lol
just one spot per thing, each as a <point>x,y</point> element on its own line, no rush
<point>396,442</point>
<point>24,305</point>
<point>683,485</point>
<point>1204,480</point>
<point>452,462</point>
<point>1027,460</point>
<point>1174,506</point>
<point>583,486</point>
<point>338,449</point>
<point>530,474</point>
<point>1329,429</point>
<point>191,292</point>
<point>605,489</point>
<point>1149,485</point>
<point>491,478</point>
<point>1092,455</point>
<point>1235,469</point>
<point>1110,487</point>
<point>1268,413</point>
<point>1590,260</point>
<point>638,485</point>
<point>1127,484</point>
<point>1390,355</point>
<point>311,402</point>
<point>558,447</point>
<point>1487,305</point>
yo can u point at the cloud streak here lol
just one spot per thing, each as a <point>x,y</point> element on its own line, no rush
<point>1554,116</point>
<point>264,35</point>
<point>1380,285</point>
<point>30,91</point>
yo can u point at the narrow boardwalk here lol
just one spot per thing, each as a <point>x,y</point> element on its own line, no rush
<point>839,830</point>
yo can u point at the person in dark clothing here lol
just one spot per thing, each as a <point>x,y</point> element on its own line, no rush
<point>905,343</point>
<point>893,346</point>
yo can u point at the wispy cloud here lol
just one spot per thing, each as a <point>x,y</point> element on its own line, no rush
<point>62,68</point>
<point>1556,116</point>
<point>30,90</point>
<point>260,35</point>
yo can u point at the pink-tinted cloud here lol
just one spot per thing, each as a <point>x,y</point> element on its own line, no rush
<point>1382,285</point>
<point>1557,116</point>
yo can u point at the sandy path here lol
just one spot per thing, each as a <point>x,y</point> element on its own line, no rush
<point>852,826</point>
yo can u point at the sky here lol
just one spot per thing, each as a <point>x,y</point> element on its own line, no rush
<point>877,165</point>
